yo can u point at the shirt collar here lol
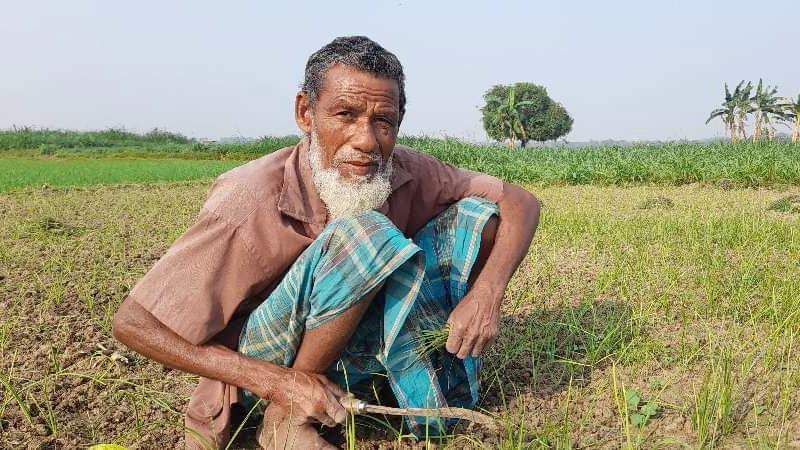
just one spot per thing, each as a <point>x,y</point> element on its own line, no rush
<point>299,196</point>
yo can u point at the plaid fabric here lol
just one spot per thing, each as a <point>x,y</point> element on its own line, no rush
<point>349,258</point>
<point>424,280</point>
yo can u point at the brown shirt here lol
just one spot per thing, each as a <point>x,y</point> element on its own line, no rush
<point>256,221</point>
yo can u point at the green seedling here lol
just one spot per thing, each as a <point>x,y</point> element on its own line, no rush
<point>430,341</point>
<point>639,412</point>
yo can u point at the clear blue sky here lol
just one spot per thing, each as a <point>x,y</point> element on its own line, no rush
<point>623,69</point>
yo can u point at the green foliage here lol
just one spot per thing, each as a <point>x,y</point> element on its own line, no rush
<point>727,113</point>
<point>790,203</point>
<point>523,112</point>
<point>430,341</point>
<point>735,108</point>
<point>713,412</point>
<point>659,202</point>
<point>768,108</point>
<point>743,107</point>
<point>743,165</point>
<point>639,412</point>
<point>653,293</point>
<point>30,138</point>
<point>764,103</point>
<point>125,144</point>
<point>19,173</point>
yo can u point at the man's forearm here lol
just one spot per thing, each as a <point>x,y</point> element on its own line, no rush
<point>139,330</point>
<point>519,218</point>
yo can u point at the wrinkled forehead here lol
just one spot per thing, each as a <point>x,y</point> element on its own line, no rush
<point>348,84</point>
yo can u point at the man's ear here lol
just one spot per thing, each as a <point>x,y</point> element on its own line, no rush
<point>303,112</point>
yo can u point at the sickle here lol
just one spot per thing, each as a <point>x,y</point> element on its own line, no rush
<point>359,407</point>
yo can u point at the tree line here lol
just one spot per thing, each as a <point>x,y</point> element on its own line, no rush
<point>764,104</point>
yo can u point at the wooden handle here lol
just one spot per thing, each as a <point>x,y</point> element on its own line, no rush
<point>356,406</point>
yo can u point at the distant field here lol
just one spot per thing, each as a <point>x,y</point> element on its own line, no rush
<point>744,165</point>
<point>116,143</point>
<point>741,165</point>
<point>20,173</point>
<point>722,165</point>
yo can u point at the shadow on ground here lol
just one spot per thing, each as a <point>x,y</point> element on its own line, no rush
<point>540,353</point>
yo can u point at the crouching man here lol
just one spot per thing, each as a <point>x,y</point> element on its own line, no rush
<point>311,271</point>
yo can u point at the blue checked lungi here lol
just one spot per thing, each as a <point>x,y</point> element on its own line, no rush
<point>424,279</point>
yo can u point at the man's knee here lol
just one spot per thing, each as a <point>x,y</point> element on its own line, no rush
<point>356,253</point>
<point>362,219</point>
<point>369,225</point>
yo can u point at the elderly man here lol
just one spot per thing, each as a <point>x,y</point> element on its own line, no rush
<point>312,271</point>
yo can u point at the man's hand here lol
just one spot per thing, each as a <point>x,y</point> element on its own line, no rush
<point>305,396</point>
<point>473,323</point>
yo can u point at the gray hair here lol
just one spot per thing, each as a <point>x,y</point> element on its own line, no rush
<point>359,52</point>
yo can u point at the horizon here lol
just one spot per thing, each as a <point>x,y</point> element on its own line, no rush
<point>624,71</point>
<point>779,137</point>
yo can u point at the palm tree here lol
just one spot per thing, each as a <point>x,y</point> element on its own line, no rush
<point>727,114</point>
<point>792,113</point>
<point>766,104</point>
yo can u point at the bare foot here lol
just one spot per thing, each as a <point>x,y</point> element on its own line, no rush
<point>277,432</point>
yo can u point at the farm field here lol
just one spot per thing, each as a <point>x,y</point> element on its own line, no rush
<point>19,173</point>
<point>30,158</point>
<point>657,315</point>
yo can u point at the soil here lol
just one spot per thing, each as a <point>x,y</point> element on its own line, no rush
<point>69,256</point>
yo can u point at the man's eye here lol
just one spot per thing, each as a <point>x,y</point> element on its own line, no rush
<point>344,113</point>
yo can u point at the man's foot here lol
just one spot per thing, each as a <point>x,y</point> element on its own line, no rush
<point>277,432</point>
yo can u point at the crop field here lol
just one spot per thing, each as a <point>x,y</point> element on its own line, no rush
<point>17,173</point>
<point>658,310</point>
<point>724,165</point>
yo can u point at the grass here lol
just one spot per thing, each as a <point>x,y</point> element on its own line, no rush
<point>119,143</point>
<point>725,165</point>
<point>657,202</point>
<point>31,138</point>
<point>627,290</point>
<point>669,164</point>
<point>429,341</point>
<point>790,203</point>
<point>695,307</point>
<point>713,413</point>
<point>21,173</point>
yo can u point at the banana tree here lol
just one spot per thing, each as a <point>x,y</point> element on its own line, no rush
<point>727,114</point>
<point>767,106</point>
<point>512,120</point>
<point>743,106</point>
<point>792,114</point>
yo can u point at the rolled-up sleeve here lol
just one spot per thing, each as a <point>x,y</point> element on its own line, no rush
<point>197,285</point>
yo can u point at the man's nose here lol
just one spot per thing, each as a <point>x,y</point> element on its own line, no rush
<point>365,140</point>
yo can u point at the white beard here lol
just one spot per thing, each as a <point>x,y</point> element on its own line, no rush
<point>345,197</point>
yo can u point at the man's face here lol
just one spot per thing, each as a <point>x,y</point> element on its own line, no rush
<point>355,121</point>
